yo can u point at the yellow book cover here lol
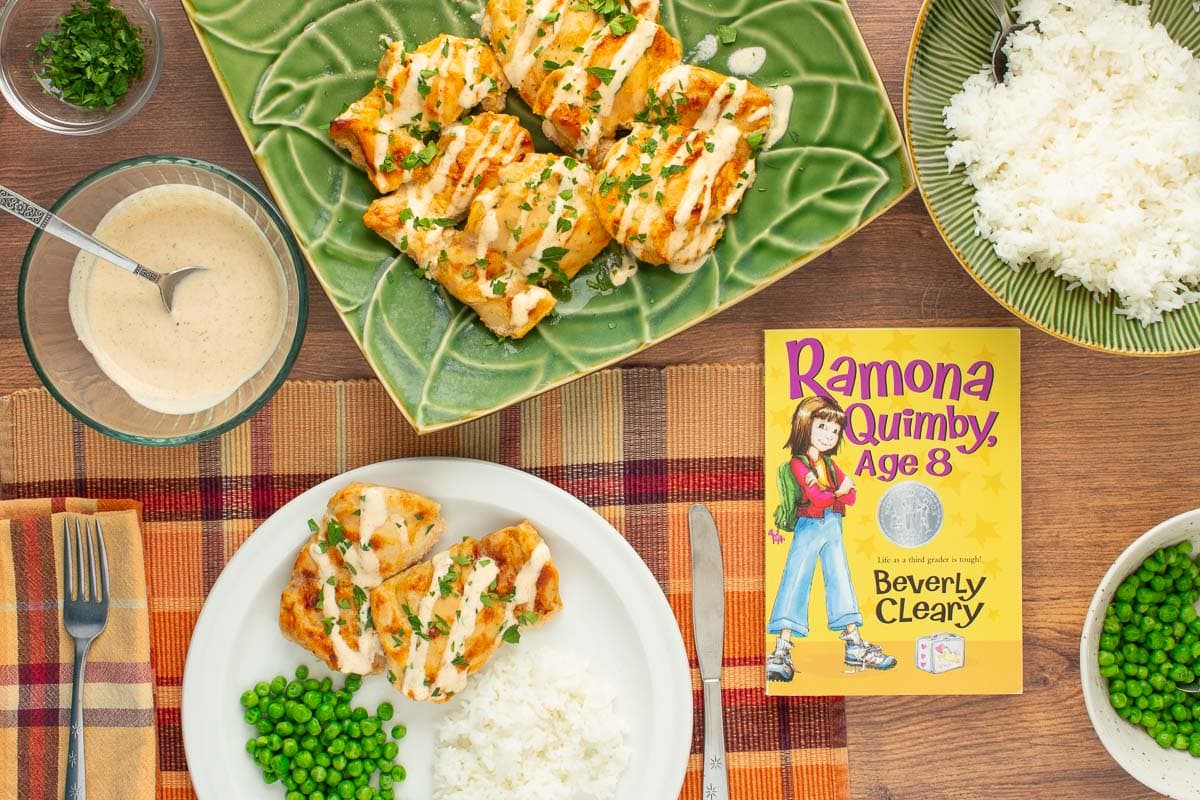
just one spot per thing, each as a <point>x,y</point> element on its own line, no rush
<point>892,528</point>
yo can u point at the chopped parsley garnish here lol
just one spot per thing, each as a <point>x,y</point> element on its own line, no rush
<point>92,56</point>
<point>387,165</point>
<point>755,140</point>
<point>462,561</point>
<point>563,225</point>
<point>335,533</point>
<point>672,169</point>
<point>512,635</point>
<point>460,661</point>
<point>727,34</point>
<point>607,182</point>
<point>327,623</point>
<point>446,583</point>
<point>604,74</point>
<point>499,287</point>
<point>360,597</point>
<point>622,24</point>
<point>312,525</point>
<point>343,603</point>
<point>528,617</point>
<point>570,163</point>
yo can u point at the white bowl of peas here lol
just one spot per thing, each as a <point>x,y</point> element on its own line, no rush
<point>1141,641</point>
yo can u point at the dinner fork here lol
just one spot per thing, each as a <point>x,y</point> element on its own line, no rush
<point>85,613</point>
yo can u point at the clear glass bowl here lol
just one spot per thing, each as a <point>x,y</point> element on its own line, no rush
<point>22,24</point>
<point>69,370</point>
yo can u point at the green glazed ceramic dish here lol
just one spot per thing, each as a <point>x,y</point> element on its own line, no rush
<point>288,67</point>
<point>952,41</point>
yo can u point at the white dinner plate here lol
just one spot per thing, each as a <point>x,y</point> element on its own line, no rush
<point>614,616</point>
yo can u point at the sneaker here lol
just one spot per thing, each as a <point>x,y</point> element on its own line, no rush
<point>865,655</point>
<point>779,666</point>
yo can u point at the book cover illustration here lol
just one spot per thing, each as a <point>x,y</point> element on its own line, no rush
<point>892,525</point>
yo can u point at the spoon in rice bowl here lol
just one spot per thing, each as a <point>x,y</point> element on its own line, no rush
<point>1007,29</point>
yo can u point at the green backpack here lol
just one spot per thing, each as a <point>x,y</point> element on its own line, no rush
<point>790,496</point>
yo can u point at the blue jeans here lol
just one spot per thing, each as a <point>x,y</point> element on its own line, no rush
<point>815,539</point>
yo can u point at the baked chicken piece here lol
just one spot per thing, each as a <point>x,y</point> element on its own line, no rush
<point>585,73</point>
<point>442,620</point>
<point>532,221</point>
<point>665,189</point>
<point>368,533</point>
<point>419,217</point>
<point>415,95</point>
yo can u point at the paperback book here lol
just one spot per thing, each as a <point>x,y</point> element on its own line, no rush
<point>892,525</point>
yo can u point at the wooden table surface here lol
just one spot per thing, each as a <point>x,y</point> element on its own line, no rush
<point>1109,442</point>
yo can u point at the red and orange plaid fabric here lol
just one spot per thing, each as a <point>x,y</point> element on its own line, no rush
<point>36,658</point>
<point>637,445</point>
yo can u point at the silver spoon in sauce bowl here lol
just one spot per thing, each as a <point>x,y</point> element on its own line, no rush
<point>28,211</point>
<point>1007,29</point>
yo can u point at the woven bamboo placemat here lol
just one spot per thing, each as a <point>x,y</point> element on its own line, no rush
<point>637,445</point>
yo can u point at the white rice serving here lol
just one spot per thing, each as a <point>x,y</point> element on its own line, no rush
<point>1086,161</point>
<point>535,725</point>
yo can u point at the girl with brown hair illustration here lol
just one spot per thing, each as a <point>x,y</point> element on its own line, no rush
<point>822,493</point>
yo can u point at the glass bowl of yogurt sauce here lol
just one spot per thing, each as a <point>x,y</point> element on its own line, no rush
<point>100,338</point>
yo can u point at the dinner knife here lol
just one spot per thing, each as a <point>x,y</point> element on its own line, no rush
<point>708,623</point>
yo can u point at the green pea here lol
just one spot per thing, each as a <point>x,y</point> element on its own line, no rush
<point>308,787</point>
<point>324,712</point>
<point>339,761</point>
<point>353,750</point>
<point>264,726</point>
<point>311,700</point>
<point>275,710</point>
<point>368,727</point>
<point>341,712</point>
<point>354,769</point>
<point>294,690</point>
<point>312,727</point>
<point>309,743</point>
<point>400,731</point>
<point>390,750</point>
<point>317,795</point>
<point>304,759</point>
<point>385,711</point>
<point>251,746</point>
<point>337,746</point>
<point>333,777</point>
<point>299,775</point>
<point>323,759</point>
<point>278,685</point>
<point>365,793</point>
<point>385,782</point>
<point>1179,712</point>
<point>252,715</point>
<point>1164,739</point>
<point>317,773</point>
<point>345,789</point>
<point>290,747</point>
<point>1118,700</point>
<point>300,713</point>
<point>301,672</point>
<point>353,683</point>
<point>326,684</point>
<point>398,773</point>
<point>359,713</point>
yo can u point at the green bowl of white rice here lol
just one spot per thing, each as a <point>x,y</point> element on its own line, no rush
<point>1071,192</point>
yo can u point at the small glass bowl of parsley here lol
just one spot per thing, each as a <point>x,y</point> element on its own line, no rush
<point>78,67</point>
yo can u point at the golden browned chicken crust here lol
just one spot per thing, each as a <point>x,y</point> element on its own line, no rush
<point>442,620</point>
<point>416,94</point>
<point>586,74</point>
<point>367,534</point>
<point>665,190</point>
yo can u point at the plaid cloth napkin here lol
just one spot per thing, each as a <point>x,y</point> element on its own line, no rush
<point>36,658</point>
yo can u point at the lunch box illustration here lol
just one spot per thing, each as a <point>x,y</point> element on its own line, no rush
<point>940,652</point>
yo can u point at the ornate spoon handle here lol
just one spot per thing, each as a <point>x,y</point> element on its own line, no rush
<point>28,211</point>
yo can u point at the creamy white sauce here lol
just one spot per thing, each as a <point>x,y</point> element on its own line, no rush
<point>526,584</point>
<point>349,659</point>
<point>627,268</point>
<point>413,683</point>
<point>522,58</point>
<point>450,678</point>
<point>746,61</point>
<point>473,90</point>
<point>227,320</point>
<point>781,112</point>
<point>572,82</point>
<point>525,302</point>
<point>374,511</point>
<point>704,50</point>
<point>701,177</point>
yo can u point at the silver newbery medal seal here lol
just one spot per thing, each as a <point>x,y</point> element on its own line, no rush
<point>910,514</point>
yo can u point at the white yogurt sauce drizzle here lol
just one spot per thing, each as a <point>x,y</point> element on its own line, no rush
<point>360,660</point>
<point>781,112</point>
<point>746,61</point>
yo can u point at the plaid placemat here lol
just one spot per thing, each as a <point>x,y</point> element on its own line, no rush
<point>637,445</point>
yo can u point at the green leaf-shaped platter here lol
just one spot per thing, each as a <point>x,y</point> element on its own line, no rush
<point>288,67</point>
<point>951,42</point>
